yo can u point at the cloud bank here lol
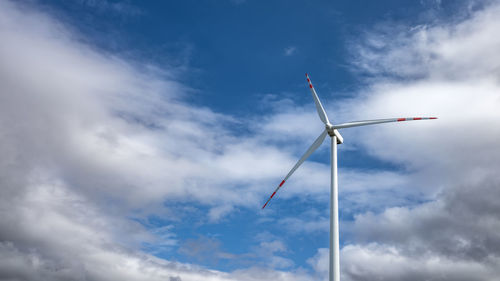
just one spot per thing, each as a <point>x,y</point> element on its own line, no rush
<point>90,140</point>
<point>452,71</point>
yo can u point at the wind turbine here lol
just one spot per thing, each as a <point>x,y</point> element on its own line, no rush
<point>336,138</point>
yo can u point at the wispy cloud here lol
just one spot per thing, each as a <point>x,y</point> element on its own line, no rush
<point>118,7</point>
<point>289,51</point>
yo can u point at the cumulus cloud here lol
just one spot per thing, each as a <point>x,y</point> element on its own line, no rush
<point>51,233</point>
<point>113,130</point>
<point>89,139</point>
<point>398,266</point>
<point>450,70</point>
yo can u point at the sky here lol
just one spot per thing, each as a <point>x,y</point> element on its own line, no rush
<point>140,139</point>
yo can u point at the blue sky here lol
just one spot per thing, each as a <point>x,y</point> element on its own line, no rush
<point>145,137</point>
<point>233,52</point>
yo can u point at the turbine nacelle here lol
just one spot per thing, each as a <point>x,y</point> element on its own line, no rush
<point>332,132</point>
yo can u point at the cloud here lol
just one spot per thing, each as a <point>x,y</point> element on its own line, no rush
<point>88,140</point>
<point>57,235</point>
<point>319,263</point>
<point>204,249</point>
<point>388,263</point>
<point>268,253</point>
<point>450,70</point>
<point>113,130</point>
<point>289,51</point>
<point>103,6</point>
<point>216,213</point>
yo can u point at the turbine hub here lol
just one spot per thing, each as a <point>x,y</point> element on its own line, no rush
<point>332,132</point>
<point>329,129</point>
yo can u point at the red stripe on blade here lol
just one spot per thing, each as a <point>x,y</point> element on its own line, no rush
<point>417,118</point>
<point>282,183</point>
<point>401,119</point>
<point>433,118</point>
<point>272,194</point>
<point>310,86</point>
<point>264,205</point>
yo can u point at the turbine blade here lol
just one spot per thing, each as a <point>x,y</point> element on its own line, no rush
<point>309,151</point>
<point>319,107</point>
<point>378,121</point>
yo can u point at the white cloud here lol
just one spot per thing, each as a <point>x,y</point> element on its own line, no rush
<point>89,139</point>
<point>451,71</point>
<point>290,50</point>
<point>110,130</point>
<point>388,263</point>
<point>104,6</point>
<point>319,263</point>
